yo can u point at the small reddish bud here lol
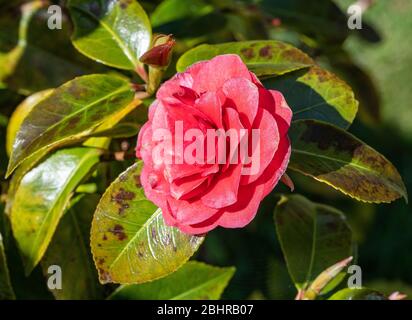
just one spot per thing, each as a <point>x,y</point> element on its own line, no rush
<point>288,182</point>
<point>276,22</point>
<point>160,54</point>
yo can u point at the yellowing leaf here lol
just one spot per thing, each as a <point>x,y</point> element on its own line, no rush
<point>130,241</point>
<point>337,158</point>
<point>42,197</point>
<point>69,114</point>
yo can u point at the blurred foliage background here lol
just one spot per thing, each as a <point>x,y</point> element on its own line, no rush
<point>376,61</point>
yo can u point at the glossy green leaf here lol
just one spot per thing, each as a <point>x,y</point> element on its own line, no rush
<point>312,236</point>
<point>19,114</point>
<point>317,94</point>
<point>337,158</point>
<point>19,174</point>
<point>69,114</point>
<point>358,294</point>
<point>193,281</point>
<point>130,241</point>
<point>42,197</point>
<point>6,289</point>
<point>115,32</point>
<point>264,58</point>
<point>70,249</point>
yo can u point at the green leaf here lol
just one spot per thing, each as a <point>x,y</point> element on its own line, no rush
<point>193,281</point>
<point>6,289</point>
<point>312,236</point>
<point>115,33</point>
<point>69,114</point>
<point>130,241</point>
<point>264,58</point>
<point>42,197</point>
<point>358,294</point>
<point>70,250</point>
<point>317,94</point>
<point>19,114</point>
<point>335,157</point>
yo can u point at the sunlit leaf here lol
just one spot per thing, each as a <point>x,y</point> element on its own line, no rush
<point>312,236</point>
<point>333,156</point>
<point>19,114</point>
<point>130,241</point>
<point>264,58</point>
<point>317,94</point>
<point>193,281</point>
<point>70,113</point>
<point>115,32</point>
<point>42,197</point>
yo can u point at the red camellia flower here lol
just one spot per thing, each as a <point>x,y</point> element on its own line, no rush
<point>199,182</point>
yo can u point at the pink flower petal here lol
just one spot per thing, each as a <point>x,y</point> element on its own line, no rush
<point>210,105</point>
<point>184,186</point>
<point>214,73</point>
<point>190,212</point>
<point>203,227</point>
<point>244,210</point>
<point>244,95</point>
<point>224,188</point>
<point>277,167</point>
<point>269,141</point>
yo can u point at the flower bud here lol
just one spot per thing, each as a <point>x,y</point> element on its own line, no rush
<point>160,54</point>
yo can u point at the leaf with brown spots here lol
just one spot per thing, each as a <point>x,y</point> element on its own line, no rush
<point>318,94</point>
<point>69,114</point>
<point>194,281</point>
<point>264,58</point>
<point>337,158</point>
<point>313,237</point>
<point>130,241</point>
<point>115,32</point>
